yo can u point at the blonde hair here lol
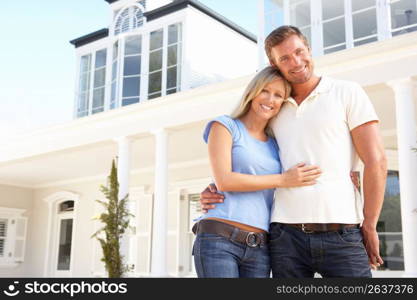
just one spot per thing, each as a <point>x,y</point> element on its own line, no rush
<point>254,88</point>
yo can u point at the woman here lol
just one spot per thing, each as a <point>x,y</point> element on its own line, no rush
<point>232,238</point>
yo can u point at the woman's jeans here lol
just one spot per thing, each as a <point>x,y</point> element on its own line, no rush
<point>295,254</point>
<point>216,256</point>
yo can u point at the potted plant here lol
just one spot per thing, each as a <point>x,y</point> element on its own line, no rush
<point>115,219</point>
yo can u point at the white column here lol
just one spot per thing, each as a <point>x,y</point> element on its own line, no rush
<point>407,160</point>
<point>123,174</point>
<point>160,210</point>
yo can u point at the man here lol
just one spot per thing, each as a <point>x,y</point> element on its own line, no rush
<point>328,123</point>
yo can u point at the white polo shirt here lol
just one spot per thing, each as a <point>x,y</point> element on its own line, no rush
<point>317,132</point>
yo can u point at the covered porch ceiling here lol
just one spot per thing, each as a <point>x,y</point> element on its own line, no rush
<point>89,162</point>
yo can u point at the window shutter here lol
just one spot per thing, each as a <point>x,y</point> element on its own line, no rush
<point>20,239</point>
<point>3,235</point>
<point>194,209</point>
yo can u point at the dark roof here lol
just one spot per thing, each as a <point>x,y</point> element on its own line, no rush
<point>91,37</point>
<point>180,4</point>
<point>163,11</point>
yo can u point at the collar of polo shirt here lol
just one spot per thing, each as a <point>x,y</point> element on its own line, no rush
<point>322,87</point>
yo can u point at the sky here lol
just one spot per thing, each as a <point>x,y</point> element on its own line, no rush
<point>37,62</point>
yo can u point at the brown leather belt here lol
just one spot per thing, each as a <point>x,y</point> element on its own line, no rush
<point>251,239</point>
<point>321,227</point>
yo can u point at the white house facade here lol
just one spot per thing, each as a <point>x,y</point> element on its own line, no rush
<point>146,87</point>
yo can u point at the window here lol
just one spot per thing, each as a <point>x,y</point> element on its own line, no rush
<point>92,82</point>
<point>155,64</point>
<point>165,61</point>
<point>403,16</point>
<point>333,18</point>
<point>300,16</point>
<point>274,17</point>
<point>364,22</point>
<point>12,236</point>
<point>130,18</point>
<point>65,242</point>
<point>335,25</point>
<point>389,225</point>
<point>114,74</point>
<point>132,70</point>
<point>99,81</point>
<point>65,218</point>
<point>194,209</point>
<point>173,60</point>
<point>60,234</point>
<point>84,86</point>
<point>66,206</point>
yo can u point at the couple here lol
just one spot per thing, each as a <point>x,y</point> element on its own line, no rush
<point>288,203</point>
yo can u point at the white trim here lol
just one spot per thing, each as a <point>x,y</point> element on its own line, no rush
<point>348,24</point>
<point>52,201</point>
<point>91,87</point>
<point>186,68</point>
<point>121,67</point>
<point>172,166</point>
<point>108,78</point>
<point>333,18</point>
<point>334,46</point>
<point>76,86</point>
<point>404,27</point>
<point>164,60</point>
<point>12,211</point>
<point>144,77</point>
<point>287,12</point>
<point>90,79</point>
<point>365,38</point>
<point>16,184</point>
<point>383,17</point>
<point>121,9</point>
<point>317,40</point>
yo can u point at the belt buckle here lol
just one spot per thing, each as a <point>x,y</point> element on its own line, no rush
<point>252,240</point>
<point>303,228</point>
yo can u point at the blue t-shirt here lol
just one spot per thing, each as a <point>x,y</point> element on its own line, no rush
<point>249,156</point>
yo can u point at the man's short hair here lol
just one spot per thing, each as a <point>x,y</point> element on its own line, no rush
<point>279,35</point>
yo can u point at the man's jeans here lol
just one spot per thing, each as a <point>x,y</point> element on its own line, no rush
<point>216,256</point>
<point>295,254</point>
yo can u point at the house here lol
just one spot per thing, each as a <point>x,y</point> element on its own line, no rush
<point>145,89</point>
<point>153,50</point>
